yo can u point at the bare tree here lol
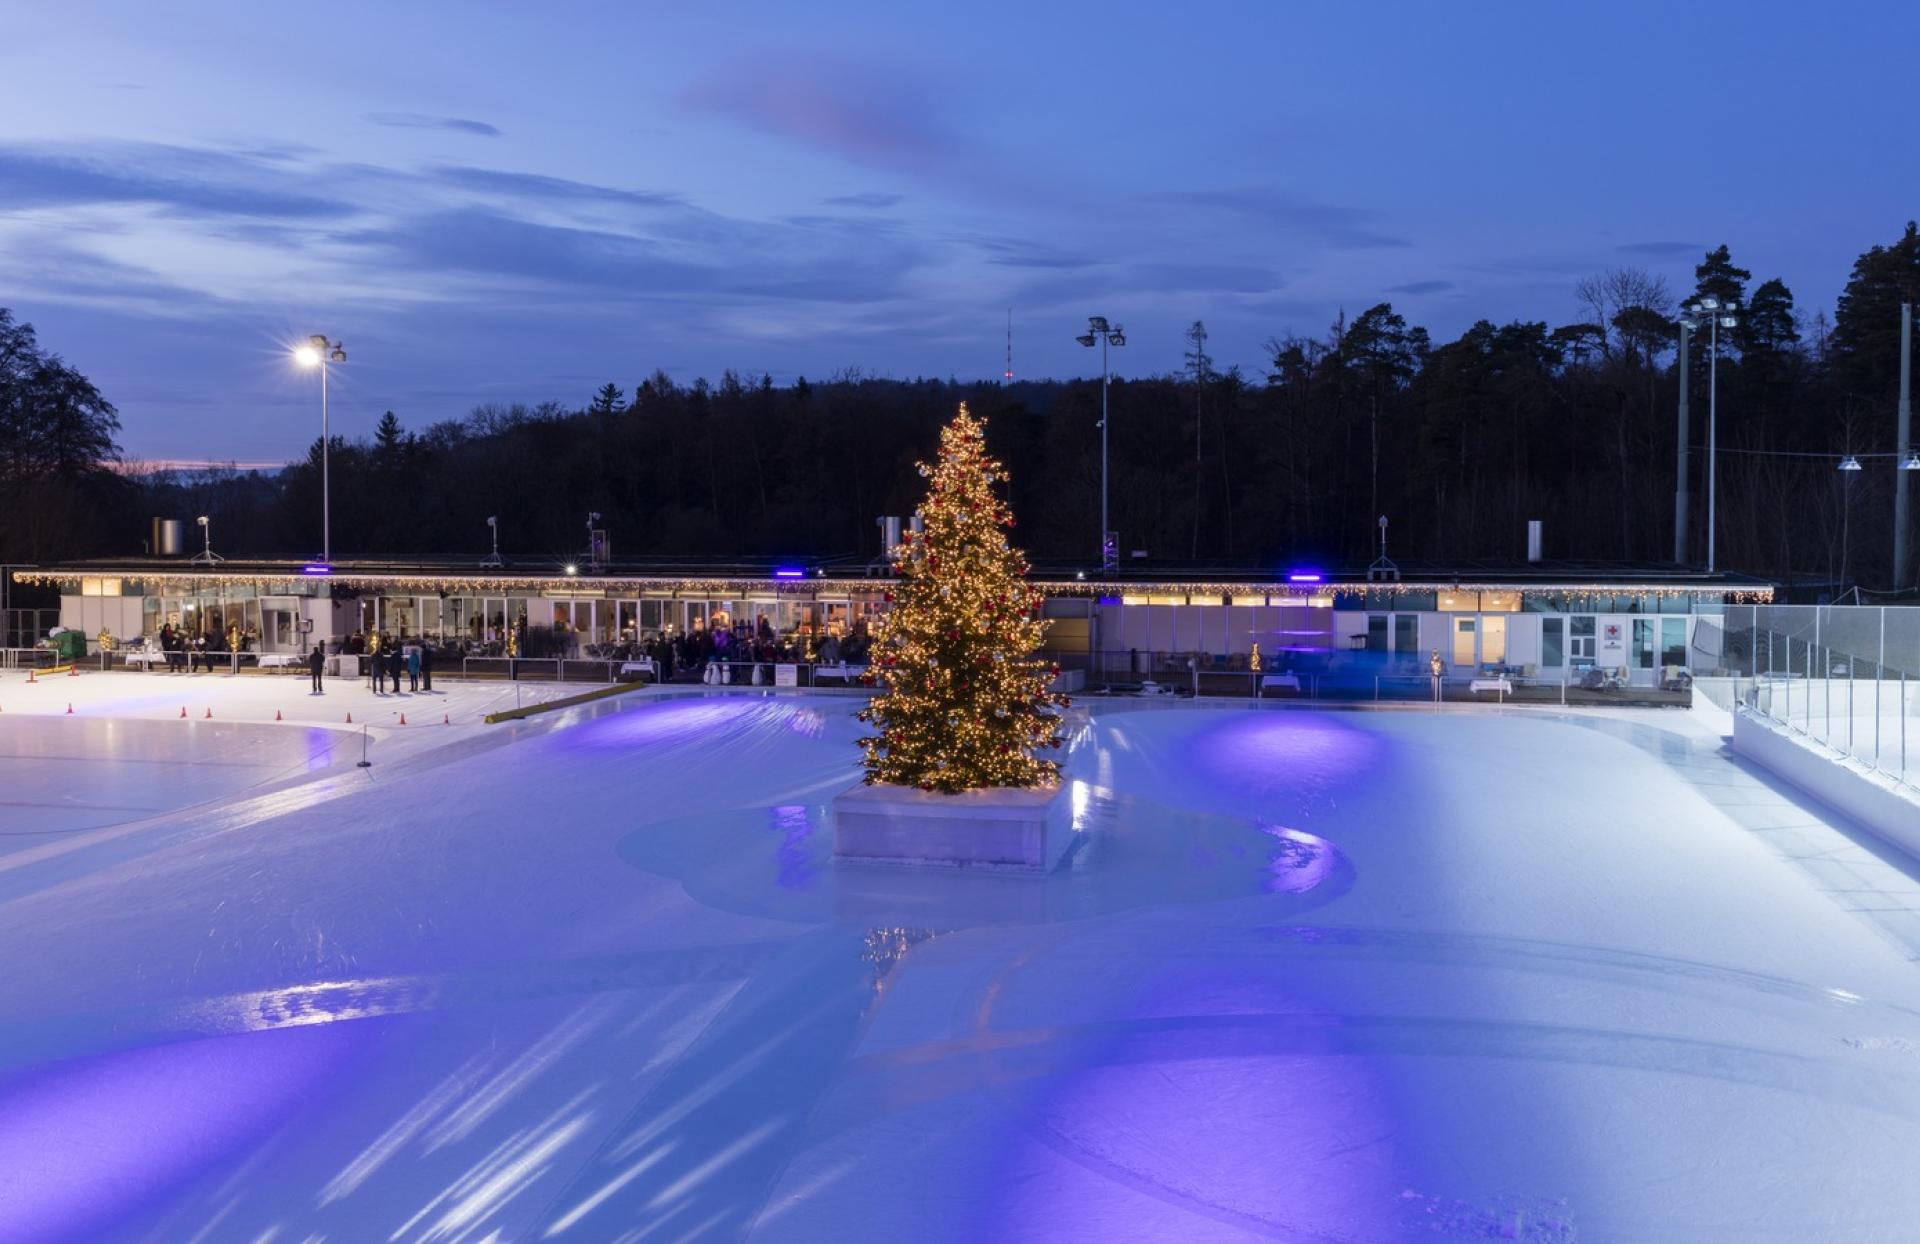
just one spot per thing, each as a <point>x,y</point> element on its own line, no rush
<point>1605,296</point>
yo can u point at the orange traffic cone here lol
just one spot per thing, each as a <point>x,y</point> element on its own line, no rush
<point>183,712</point>
<point>209,713</point>
<point>73,671</point>
<point>349,718</point>
<point>276,714</point>
<point>403,719</point>
<point>30,677</point>
<point>69,708</point>
<point>444,721</point>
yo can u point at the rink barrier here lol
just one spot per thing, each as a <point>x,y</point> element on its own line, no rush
<point>1889,809</point>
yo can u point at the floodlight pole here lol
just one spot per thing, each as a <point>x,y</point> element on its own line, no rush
<point>1107,335</point>
<point>1902,478</point>
<point>1680,498</point>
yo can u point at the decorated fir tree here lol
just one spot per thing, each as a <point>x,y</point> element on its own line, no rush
<point>967,702</point>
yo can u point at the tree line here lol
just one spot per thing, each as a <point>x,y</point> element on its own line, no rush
<point>1458,443</point>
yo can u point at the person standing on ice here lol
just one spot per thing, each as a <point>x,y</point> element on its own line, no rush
<point>375,683</point>
<point>1436,668</point>
<point>426,667</point>
<point>315,662</point>
<point>394,663</point>
<point>413,667</point>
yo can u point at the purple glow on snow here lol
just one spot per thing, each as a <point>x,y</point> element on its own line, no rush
<point>1298,755</point>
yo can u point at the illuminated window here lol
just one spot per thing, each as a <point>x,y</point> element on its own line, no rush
<point>1459,602</point>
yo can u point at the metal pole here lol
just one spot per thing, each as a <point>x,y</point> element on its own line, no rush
<point>1879,676</point>
<point>1104,525</point>
<point>1902,480</point>
<point>1680,467</point>
<point>1713,427</point>
<point>326,485</point>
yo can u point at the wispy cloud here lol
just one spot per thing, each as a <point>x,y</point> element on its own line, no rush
<point>181,179</point>
<point>1662,250</point>
<point>870,199</point>
<point>861,111</point>
<point>424,121</point>
<point>1337,225</point>
<point>1420,287</point>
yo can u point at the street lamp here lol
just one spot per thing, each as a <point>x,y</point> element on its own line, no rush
<point>319,352</point>
<point>1717,313</point>
<point>1098,330</point>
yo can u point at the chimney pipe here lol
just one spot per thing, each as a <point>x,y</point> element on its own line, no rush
<point>1533,539</point>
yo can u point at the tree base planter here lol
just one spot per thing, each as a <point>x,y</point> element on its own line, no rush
<point>1001,829</point>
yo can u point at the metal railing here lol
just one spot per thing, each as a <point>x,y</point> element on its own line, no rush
<point>1844,676</point>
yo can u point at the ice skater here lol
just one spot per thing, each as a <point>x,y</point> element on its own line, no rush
<point>394,662</point>
<point>315,663</point>
<point>426,668</point>
<point>413,667</point>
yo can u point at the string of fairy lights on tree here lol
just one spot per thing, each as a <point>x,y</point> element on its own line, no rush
<point>967,704</point>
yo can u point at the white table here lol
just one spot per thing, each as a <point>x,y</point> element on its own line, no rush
<point>1289,681</point>
<point>148,657</point>
<point>842,671</point>
<point>646,666</point>
<point>280,660</point>
<point>1501,685</point>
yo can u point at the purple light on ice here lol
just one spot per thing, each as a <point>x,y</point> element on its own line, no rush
<point>86,1142</point>
<point>1298,754</point>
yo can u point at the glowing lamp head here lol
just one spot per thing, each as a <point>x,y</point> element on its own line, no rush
<point>306,356</point>
<point>572,569</point>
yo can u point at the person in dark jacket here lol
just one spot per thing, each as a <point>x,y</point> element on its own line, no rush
<point>426,667</point>
<point>315,663</point>
<point>395,662</point>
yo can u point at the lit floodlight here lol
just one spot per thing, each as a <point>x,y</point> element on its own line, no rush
<point>1709,303</point>
<point>572,569</point>
<point>1849,463</point>
<point>1085,339</point>
<point>306,356</point>
<point>1912,463</point>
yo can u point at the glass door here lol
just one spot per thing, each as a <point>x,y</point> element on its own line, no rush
<point>1465,633</point>
<point>1493,639</point>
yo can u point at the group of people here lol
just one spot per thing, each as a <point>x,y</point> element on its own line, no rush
<point>188,653</point>
<point>691,652</point>
<point>387,659</point>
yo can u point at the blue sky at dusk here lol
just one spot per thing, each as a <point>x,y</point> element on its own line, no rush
<point>492,202</point>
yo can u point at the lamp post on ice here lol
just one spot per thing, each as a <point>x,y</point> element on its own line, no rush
<point>1099,331</point>
<point>319,352</point>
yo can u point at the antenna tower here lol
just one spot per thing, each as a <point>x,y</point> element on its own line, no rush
<point>1009,371</point>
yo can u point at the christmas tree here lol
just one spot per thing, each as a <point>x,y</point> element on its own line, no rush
<point>967,703</point>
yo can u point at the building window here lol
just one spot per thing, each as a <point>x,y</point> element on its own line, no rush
<point>1553,642</point>
<point>1459,602</point>
<point>1376,633</point>
<point>1406,632</point>
<point>1580,637</point>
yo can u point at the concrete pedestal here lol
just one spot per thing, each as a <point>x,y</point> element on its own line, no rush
<point>1002,829</point>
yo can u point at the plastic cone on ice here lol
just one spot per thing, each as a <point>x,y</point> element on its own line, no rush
<point>69,708</point>
<point>183,712</point>
<point>349,718</point>
<point>403,719</point>
<point>73,671</point>
<point>209,712</point>
<point>276,714</point>
<point>444,721</point>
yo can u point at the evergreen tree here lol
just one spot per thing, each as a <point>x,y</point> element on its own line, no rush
<point>611,399</point>
<point>387,436</point>
<point>967,704</point>
<point>1866,323</point>
<point>1717,276</point>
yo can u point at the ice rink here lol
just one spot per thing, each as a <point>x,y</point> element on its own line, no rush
<point>1321,976</point>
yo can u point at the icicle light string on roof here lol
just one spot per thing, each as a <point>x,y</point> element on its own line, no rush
<point>810,587</point>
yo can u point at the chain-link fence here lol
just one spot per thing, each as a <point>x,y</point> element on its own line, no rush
<point>1845,676</point>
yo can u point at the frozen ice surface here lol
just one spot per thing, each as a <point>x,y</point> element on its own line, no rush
<point>1308,976</point>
